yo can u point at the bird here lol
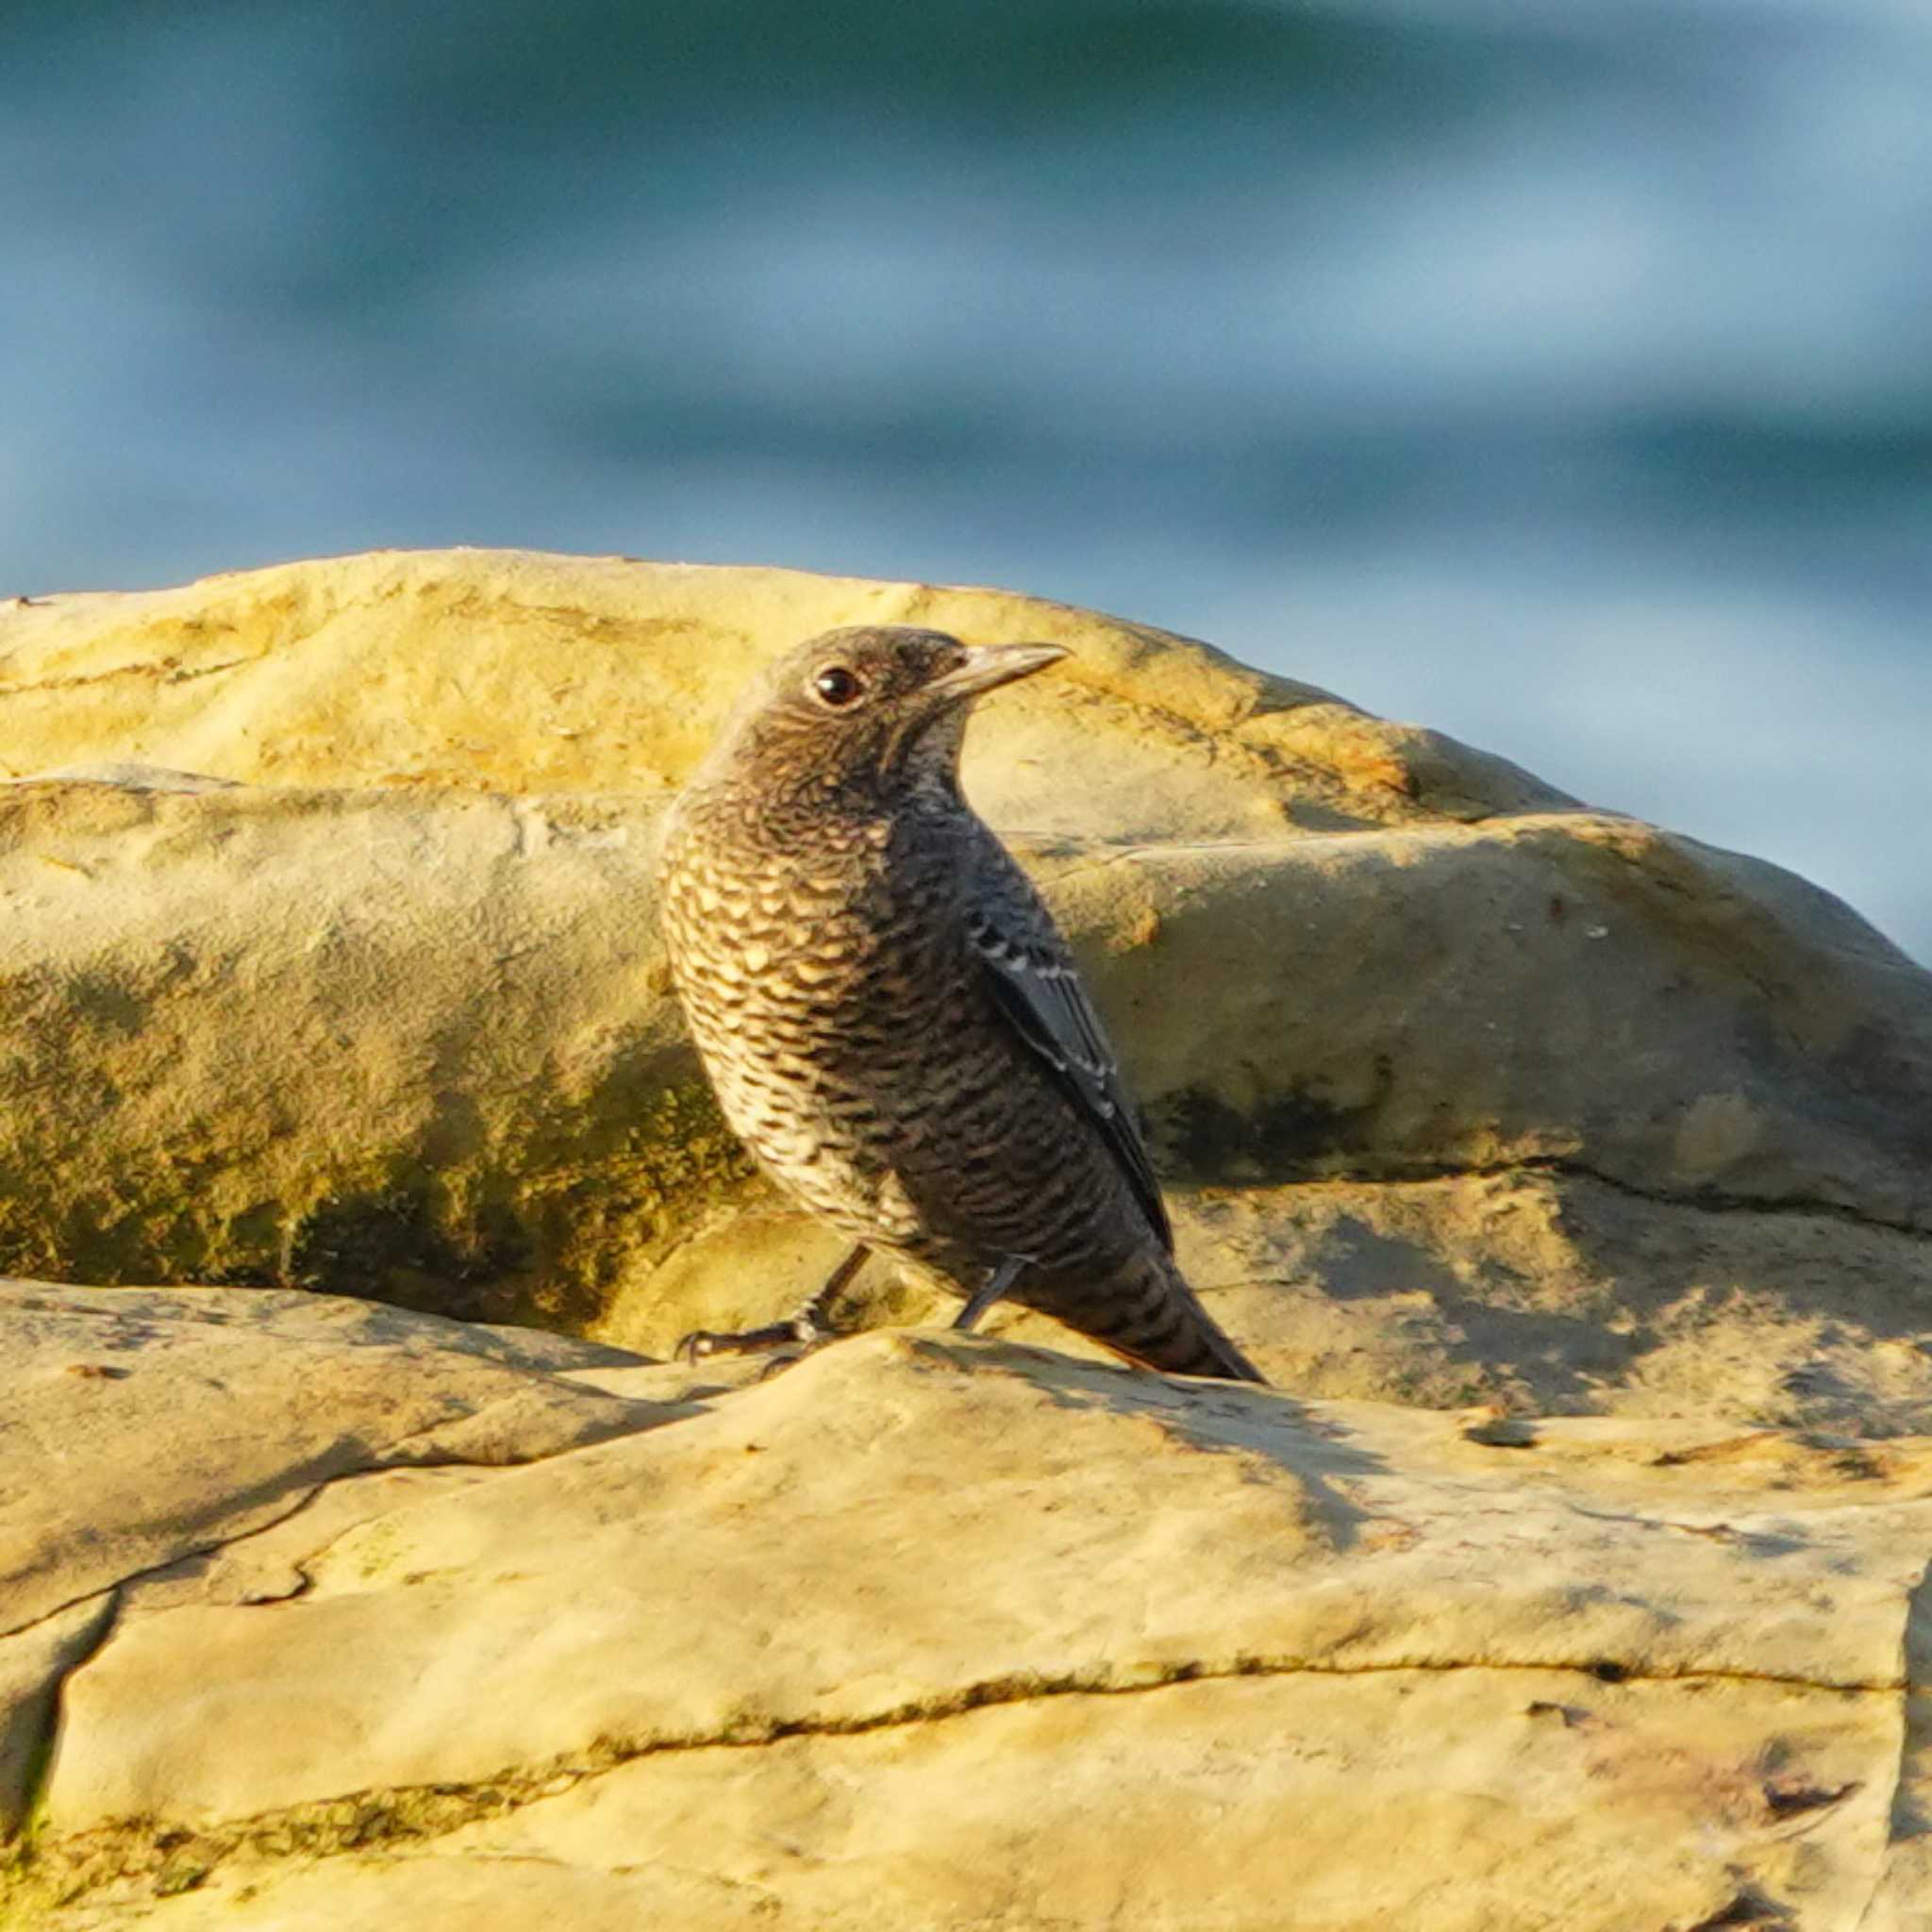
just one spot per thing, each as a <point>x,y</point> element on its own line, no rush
<point>891,1020</point>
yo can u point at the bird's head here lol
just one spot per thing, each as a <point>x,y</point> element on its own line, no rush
<point>875,707</point>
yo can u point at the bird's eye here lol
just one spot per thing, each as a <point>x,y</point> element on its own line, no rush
<point>837,687</point>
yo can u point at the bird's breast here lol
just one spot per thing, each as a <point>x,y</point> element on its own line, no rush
<point>841,944</point>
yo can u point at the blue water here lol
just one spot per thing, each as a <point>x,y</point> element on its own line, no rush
<point>1559,375</point>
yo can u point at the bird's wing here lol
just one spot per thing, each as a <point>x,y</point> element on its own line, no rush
<point>1037,986</point>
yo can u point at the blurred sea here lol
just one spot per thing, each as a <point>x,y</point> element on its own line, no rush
<point>1558,374</point>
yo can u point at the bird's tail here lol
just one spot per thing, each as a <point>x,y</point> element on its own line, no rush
<point>1147,1312</point>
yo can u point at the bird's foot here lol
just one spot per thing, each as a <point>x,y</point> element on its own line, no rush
<point>992,1288</point>
<point>798,1335</point>
<point>808,1326</point>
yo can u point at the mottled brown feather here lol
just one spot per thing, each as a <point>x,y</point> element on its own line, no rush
<point>890,1017</point>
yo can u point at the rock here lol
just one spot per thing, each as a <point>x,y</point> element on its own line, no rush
<point>1552,1294</point>
<point>143,1426</point>
<point>338,1018</point>
<point>519,673</point>
<point>347,1040</point>
<point>328,964</point>
<point>34,1660</point>
<point>948,1632</point>
<point>135,1390</point>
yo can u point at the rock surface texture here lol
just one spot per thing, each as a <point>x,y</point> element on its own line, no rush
<point>932,1632</point>
<point>1572,1180</point>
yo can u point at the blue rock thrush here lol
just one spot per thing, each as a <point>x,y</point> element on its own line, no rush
<point>892,1019</point>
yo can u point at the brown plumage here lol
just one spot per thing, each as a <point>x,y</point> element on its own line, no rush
<point>890,1016</point>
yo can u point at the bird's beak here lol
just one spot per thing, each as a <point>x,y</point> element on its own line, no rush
<point>990,665</point>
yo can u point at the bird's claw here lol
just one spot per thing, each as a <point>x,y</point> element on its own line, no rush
<point>801,1331</point>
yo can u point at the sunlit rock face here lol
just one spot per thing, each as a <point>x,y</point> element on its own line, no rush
<point>332,963</point>
<point>1572,1181</point>
<point>926,1630</point>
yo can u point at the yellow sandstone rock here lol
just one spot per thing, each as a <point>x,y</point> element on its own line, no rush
<point>375,1004</point>
<point>951,1633</point>
<point>327,968</point>
<point>514,672</point>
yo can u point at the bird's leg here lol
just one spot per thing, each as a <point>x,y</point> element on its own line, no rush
<point>992,1289</point>
<point>806,1326</point>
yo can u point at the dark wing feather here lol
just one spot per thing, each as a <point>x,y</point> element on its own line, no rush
<point>1035,983</point>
